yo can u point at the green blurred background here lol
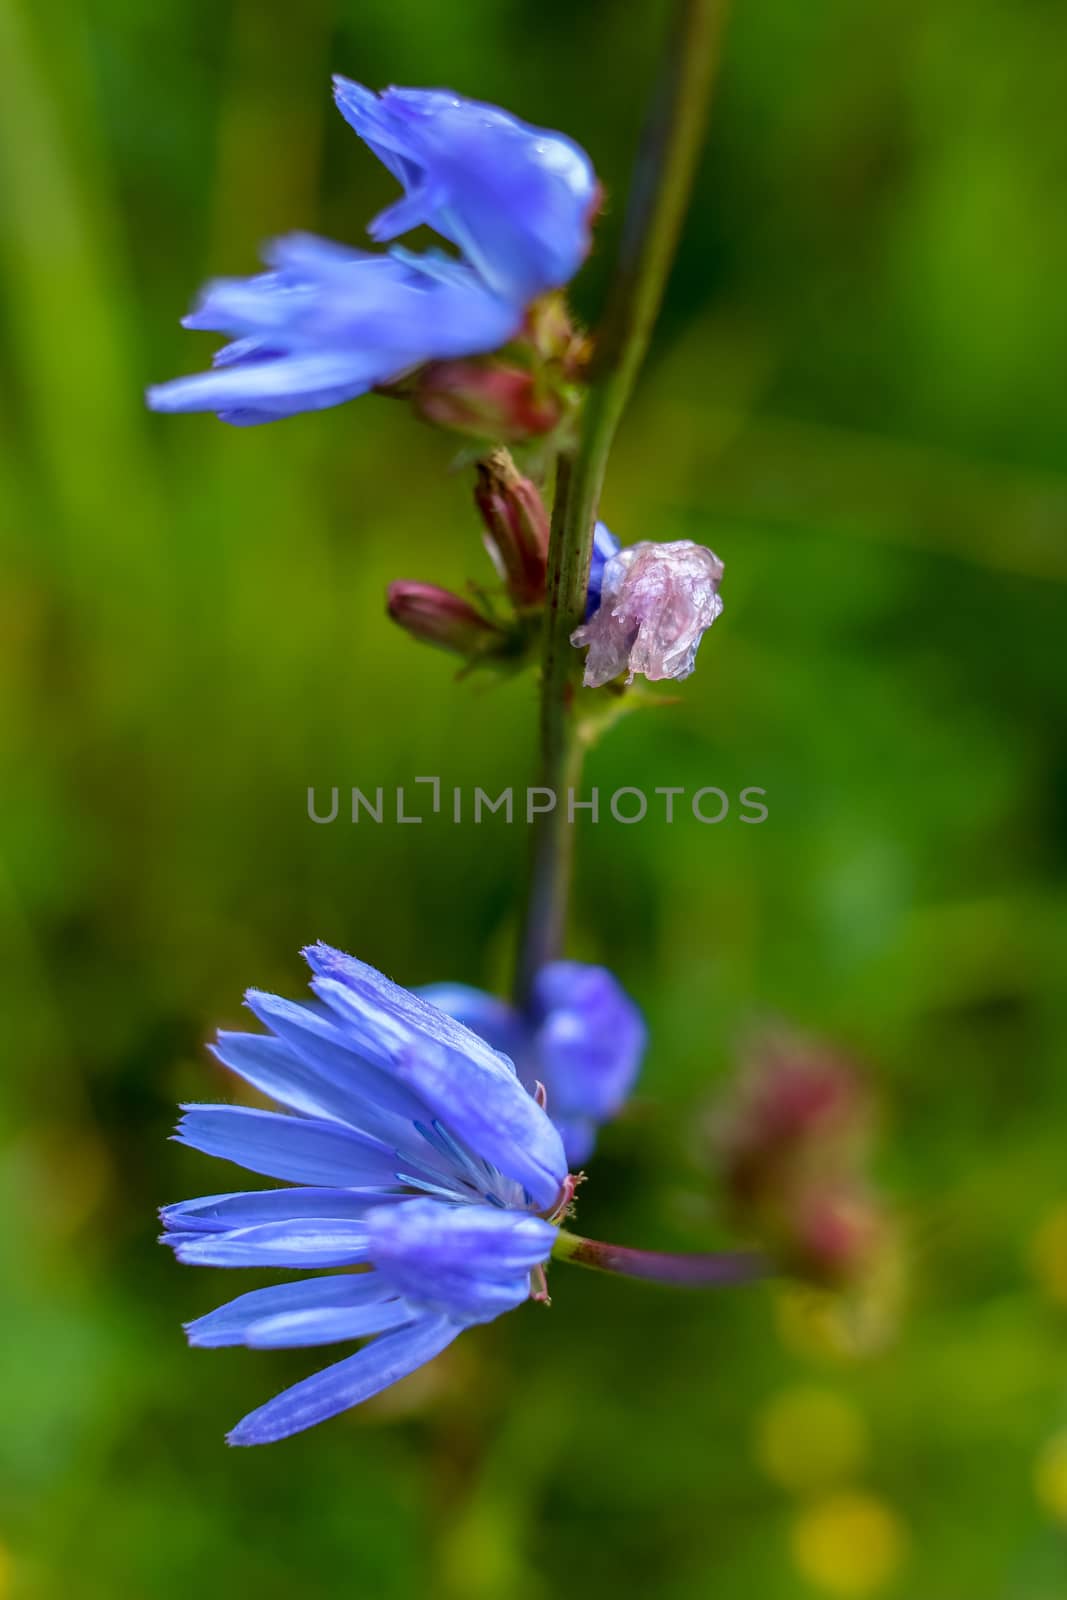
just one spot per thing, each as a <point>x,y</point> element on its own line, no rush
<point>857,398</point>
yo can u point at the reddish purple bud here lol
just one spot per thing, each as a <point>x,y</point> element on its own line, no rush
<point>489,399</point>
<point>837,1234</point>
<point>793,1138</point>
<point>436,616</point>
<point>516,527</point>
<point>524,391</point>
<point>794,1101</point>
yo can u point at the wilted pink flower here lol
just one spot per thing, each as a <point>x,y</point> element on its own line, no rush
<point>657,600</point>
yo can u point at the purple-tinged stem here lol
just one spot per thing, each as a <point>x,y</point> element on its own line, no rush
<point>698,1270</point>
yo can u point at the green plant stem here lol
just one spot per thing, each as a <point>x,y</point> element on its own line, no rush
<point>667,157</point>
<point>701,1270</point>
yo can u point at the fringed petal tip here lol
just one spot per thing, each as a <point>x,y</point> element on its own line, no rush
<point>319,955</point>
<point>357,94</point>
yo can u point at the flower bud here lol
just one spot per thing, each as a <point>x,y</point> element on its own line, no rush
<point>836,1232</point>
<point>795,1104</point>
<point>656,602</point>
<point>793,1139</point>
<point>516,527</point>
<point>436,616</point>
<point>523,391</point>
<point>490,399</point>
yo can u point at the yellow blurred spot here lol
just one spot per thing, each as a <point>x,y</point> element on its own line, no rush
<point>1050,1477</point>
<point>5,1573</point>
<point>480,1554</point>
<point>805,1321</point>
<point>1048,1255</point>
<point>850,1544</point>
<point>808,1439</point>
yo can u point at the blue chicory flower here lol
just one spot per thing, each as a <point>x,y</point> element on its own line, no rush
<point>582,1038</point>
<point>327,324</point>
<point>517,200</point>
<point>419,1158</point>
